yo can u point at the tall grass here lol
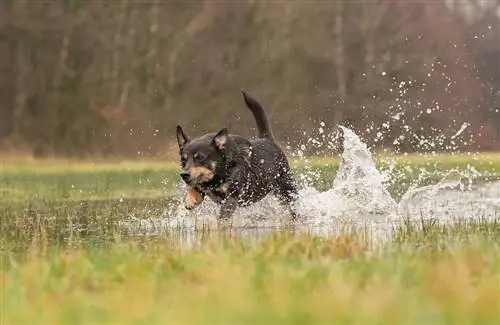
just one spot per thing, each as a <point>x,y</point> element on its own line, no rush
<point>282,279</point>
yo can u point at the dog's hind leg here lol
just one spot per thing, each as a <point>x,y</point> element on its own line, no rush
<point>287,194</point>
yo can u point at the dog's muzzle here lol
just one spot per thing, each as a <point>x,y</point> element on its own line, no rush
<point>186,177</point>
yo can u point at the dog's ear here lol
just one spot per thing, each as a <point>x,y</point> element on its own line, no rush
<point>220,139</point>
<point>182,139</point>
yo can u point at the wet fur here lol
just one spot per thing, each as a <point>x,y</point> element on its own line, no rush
<point>235,171</point>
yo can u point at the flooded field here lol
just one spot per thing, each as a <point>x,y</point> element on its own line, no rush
<point>396,239</point>
<point>358,200</point>
<point>353,195</point>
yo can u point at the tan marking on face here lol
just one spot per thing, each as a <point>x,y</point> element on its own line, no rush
<point>192,198</point>
<point>200,173</point>
<point>214,165</point>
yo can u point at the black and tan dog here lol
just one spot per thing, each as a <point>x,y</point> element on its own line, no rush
<point>234,171</point>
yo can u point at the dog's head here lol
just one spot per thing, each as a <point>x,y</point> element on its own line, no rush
<point>201,158</point>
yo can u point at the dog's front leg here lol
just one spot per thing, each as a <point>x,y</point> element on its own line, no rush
<point>224,220</point>
<point>231,187</point>
<point>228,207</point>
<point>231,190</point>
<point>193,198</point>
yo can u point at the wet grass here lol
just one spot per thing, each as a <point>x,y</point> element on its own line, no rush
<point>281,279</point>
<point>65,261</point>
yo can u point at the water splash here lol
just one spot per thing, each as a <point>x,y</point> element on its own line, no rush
<point>358,197</point>
<point>456,196</point>
<point>357,192</point>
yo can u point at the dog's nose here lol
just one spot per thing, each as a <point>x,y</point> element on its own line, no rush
<point>185,175</point>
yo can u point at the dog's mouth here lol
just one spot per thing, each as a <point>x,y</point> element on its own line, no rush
<point>197,175</point>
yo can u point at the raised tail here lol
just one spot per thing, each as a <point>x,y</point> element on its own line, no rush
<point>263,125</point>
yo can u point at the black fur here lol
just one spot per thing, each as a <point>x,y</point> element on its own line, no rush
<point>234,171</point>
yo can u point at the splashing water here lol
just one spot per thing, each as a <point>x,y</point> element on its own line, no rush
<point>357,188</point>
<point>358,197</point>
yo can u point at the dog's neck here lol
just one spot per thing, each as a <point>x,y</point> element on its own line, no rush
<point>214,182</point>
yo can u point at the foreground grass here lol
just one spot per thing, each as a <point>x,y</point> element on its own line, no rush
<point>282,279</point>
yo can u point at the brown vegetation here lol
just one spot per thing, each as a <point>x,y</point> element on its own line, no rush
<point>114,78</point>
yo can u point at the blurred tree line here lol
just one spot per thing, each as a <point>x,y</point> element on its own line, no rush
<point>115,77</point>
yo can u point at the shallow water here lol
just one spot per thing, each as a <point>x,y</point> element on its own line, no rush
<point>358,200</point>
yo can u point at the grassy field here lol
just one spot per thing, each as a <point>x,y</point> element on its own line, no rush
<point>24,179</point>
<point>443,276</point>
<point>65,261</point>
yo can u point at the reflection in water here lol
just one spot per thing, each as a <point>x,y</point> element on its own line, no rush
<point>357,201</point>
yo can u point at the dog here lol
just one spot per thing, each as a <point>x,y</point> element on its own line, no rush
<point>234,171</point>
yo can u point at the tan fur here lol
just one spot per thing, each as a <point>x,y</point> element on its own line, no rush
<point>192,198</point>
<point>224,186</point>
<point>201,173</point>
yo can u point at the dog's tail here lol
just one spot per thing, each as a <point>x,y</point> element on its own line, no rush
<point>263,125</point>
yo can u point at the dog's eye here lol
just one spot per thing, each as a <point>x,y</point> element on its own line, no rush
<point>199,156</point>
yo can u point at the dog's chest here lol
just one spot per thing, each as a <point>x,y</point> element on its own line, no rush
<point>216,195</point>
<point>247,191</point>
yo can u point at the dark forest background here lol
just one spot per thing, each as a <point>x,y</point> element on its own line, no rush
<point>114,77</point>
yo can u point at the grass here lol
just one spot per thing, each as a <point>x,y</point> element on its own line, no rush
<point>63,259</point>
<point>26,179</point>
<point>282,279</point>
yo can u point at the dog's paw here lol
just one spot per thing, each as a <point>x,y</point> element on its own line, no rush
<point>192,199</point>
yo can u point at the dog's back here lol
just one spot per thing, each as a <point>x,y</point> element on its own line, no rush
<point>268,169</point>
<point>266,154</point>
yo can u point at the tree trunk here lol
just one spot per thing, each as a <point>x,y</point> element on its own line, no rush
<point>179,39</point>
<point>152,56</point>
<point>21,94</point>
<point>338,114</point>
<point>117,50</point>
